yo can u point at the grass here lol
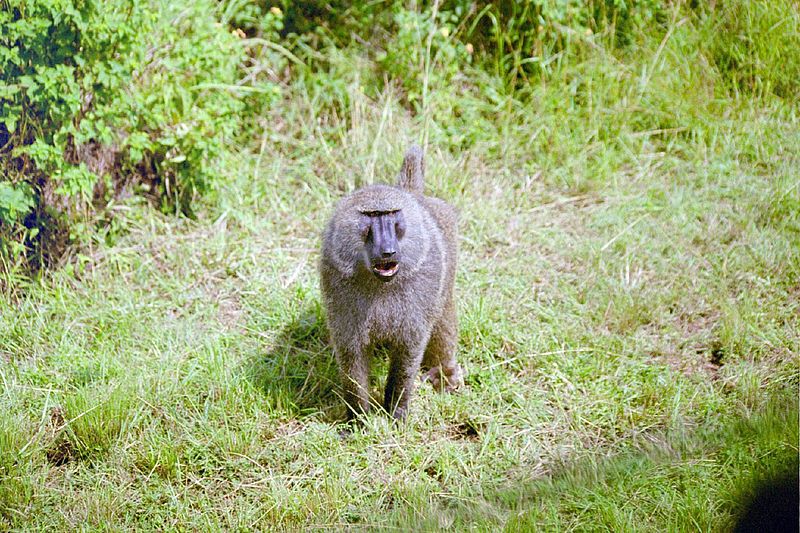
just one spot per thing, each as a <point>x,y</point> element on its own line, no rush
<point>628,299</point>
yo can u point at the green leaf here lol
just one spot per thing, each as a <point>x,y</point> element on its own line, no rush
<point>15,201</point>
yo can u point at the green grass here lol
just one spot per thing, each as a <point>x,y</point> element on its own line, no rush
<point>628,300</point>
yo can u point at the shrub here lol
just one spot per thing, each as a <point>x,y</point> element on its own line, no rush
<point>101,100</point>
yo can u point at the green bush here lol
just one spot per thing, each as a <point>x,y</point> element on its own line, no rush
<point>106,99</point>
<point>522,38</point>
<point>422,55</point>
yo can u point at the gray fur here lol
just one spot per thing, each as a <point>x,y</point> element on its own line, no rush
<point>414,314</point>
<point>412,173</point>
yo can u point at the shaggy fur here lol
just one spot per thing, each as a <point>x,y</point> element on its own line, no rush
<point>414,314</point>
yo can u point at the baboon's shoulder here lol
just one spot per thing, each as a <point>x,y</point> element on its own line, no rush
<point>445,215</point>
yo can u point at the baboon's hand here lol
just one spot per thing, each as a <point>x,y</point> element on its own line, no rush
<point>445,380</point>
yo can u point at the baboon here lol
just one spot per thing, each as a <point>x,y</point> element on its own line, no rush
<point>387,270</point>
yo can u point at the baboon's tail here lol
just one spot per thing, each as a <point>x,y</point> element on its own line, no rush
<point>412,174</point>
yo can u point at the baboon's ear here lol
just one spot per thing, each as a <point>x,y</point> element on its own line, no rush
<point>412,173</point>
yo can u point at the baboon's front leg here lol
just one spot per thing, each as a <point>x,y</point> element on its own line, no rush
<point>403,369</point>
<point>354,366</point>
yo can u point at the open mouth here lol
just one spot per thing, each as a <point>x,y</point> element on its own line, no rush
<point>385,270</point>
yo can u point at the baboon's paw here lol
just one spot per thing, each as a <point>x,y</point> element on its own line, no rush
<point>445,381</point>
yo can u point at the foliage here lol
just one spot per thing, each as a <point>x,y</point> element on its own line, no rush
<point>104,99</point>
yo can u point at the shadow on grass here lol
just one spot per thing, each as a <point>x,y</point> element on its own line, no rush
<point>726,478</point>
<point>298,372</point>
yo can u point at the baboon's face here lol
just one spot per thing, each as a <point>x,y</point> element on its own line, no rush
<point>377,230</point>
<point>382,232</point>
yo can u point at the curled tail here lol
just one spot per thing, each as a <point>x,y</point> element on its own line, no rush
<point>412,173</point>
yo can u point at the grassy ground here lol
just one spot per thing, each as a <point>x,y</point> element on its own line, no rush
<point>628,299</point>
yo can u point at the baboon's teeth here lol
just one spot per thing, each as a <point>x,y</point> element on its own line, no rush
<point>386,269</point>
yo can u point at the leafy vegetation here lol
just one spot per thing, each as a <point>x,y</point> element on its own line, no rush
<point>104,100</point>
<point>627,179</point>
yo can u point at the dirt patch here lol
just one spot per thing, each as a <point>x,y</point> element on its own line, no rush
<point>434,473</point>
<point>287,429</point>
<point>694,348</point>
<point>230,312</point>
<point>690,364</point>
<point>716,354</point>
<point>61,451</point>
<point>467,430</point>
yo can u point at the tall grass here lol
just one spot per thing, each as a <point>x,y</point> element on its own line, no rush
<point>627,294</point>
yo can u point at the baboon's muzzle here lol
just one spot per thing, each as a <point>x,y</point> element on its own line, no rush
<point>382,232</point>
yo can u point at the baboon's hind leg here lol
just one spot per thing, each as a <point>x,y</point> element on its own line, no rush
<point>445,374</point>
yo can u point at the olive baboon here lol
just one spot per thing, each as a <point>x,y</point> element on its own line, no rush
<point>387,269</point>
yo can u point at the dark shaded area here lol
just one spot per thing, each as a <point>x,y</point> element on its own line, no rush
<point>60,452</point>
<point>774,505</point>
<point>717,354</point>
<point>299,372</point>
<point>5,136</point>
<point>342,20</point>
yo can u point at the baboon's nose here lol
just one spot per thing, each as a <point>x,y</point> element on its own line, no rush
<point>386,253</point>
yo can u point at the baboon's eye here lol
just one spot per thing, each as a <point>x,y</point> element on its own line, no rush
<point>400,225</point>
<point>365,227</point>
